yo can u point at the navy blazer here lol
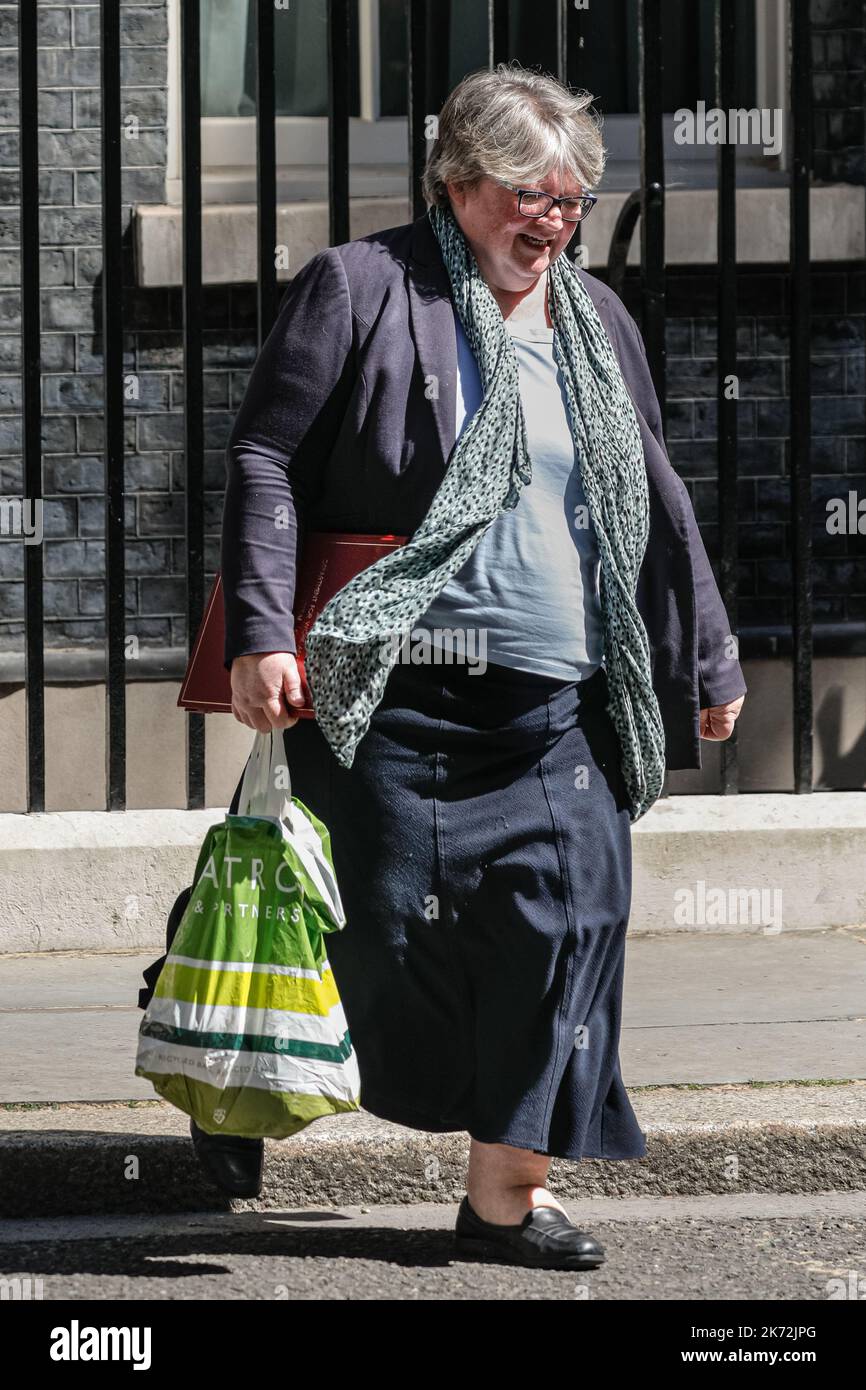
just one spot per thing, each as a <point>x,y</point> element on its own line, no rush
<point>347,424</point>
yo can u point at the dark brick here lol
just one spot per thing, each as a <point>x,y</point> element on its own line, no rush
<point>147,472</point>
<point>761,457</point>
<point>59,517</point>
<point>70,226</point>
<point>60,598</point>
<point>828,610</point>
<point>55,110</point>
<point>855,455</point>
<point>147,556</point>
<point>160,349</point>
<point>68,67</point>
<point>136,186</point>
<point>706,418</point>
<point>10,393</point>
<point>144,66</point>
<point>161,514</point>
<point>837,415</point>
<point>52,27</point>
<point>139,25</point>
<point>827,376</point>
<point>772,417</point>
<point>10,435</point>
<point>148,309</point>
<point>827,454</point>
<point>70,559</point>
<point>772,500</point>
<point>11,558</point>
<point>162,596</point>
<point>680,420</point>
<point>217,428</point>
<point>92,597</point>
<point>705,496</point>
<point>10,222</point>
<point>72,633</point>
<point>214,468</point>
<point>212,554</point>
<point>148,104</point>
<point>161,431</point>
<point>773,576</point>
<point>844,128</point>
<point>855,375</point>
<point>91,357</point>
<point>837,89</point>
<point>11,599</point>
<point>91,515</point>
<point>56,187</point>
<point>58,434</point>
<point>213,511</point>
<point>759,539</point>
<point>214,387</point>
<point>152,632</point>
<point>58,352</point>
<point>835,14</point>
<point>679,337</point>
<point>91,433</point>
<point>843,576</point>
<point>85,391</point>
<point>70,149</point>
<point>228,349</point>
<point>690,377</point>
<point>78,392</point>
<point>706,337</point>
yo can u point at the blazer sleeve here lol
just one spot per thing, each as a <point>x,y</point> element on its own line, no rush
<point>287,424</point>
<point>720,677</point>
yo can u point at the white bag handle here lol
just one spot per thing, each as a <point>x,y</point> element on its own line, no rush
<point>260,796</point>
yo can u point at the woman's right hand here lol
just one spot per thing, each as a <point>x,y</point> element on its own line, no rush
<point>262,683</point>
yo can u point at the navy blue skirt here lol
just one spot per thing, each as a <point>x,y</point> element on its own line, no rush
<point>482,847</point>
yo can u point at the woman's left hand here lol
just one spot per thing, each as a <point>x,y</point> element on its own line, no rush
<point>718,721</point>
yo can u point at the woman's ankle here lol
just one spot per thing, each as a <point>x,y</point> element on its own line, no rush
<point>507,1205</point>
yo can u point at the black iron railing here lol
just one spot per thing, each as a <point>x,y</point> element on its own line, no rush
<point>428,49</point>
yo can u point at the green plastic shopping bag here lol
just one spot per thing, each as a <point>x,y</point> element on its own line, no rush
<point>245,1031</point>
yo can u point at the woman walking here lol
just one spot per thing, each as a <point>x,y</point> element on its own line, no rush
<point>498,699</point>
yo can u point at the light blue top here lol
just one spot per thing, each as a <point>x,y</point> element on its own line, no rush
<point>531,583</point>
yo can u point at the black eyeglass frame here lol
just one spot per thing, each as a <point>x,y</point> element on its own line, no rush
<point>589,198</point>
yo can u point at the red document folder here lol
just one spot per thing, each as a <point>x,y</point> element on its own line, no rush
<point>329,559</point>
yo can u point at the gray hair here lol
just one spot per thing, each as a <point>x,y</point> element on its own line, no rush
<point>515,124</point>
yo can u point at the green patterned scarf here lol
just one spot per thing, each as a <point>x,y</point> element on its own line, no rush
<point>348,656</point>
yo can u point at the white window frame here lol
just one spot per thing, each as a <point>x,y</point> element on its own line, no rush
<point>378,144</point>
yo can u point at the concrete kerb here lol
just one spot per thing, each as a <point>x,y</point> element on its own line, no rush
<point>69,1160</point>
<point>97,880</point>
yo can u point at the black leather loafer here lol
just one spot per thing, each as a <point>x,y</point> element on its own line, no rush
<point>544,1239</point>
<point>235,1164</point>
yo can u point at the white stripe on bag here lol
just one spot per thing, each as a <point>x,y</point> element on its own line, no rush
<point>248,967</point>
<point>263,1071</point>
<point>264,1023</point>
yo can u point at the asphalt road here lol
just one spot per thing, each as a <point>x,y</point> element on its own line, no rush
<point>750,1247</point>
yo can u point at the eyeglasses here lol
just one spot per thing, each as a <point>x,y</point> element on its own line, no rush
<point>532,202</point>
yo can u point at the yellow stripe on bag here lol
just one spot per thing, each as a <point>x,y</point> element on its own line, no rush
<point>247,990</point>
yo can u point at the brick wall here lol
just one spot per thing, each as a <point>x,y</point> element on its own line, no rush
<point>839,66</point>
<point>72,359</point>
<point>70,267</point>
<point>763,424</point>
